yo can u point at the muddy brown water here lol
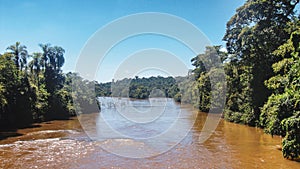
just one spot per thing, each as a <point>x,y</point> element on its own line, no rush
<point>64,144</point>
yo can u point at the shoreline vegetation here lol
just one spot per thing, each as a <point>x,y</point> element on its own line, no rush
<point>261,63</point>
<point>33,87</point>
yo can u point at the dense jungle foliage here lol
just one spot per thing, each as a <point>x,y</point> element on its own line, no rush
<point>34,89</point>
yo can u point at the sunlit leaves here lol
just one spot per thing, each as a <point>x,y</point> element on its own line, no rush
<point>280,115</point>
<point>291,142</point>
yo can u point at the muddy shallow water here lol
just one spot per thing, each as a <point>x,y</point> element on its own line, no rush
<point>64,144</point>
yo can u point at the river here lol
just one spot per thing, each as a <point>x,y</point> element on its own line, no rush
<point>85,142</point>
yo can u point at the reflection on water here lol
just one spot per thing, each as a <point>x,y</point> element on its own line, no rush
<point>63,144</point>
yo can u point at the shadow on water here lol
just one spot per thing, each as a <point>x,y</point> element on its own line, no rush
<point>10,131</point>
<point>30,126</point>
<point>6,132</point>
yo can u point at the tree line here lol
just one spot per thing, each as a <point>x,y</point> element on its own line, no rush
<point>33,87</point>
<point>262,67</point>
<point>139,88</point>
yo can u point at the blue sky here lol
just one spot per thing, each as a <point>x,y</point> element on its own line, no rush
<point>70,23</point>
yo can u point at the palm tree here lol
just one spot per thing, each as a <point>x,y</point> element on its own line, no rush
<point>20,54</point>
<point>59,57</point>
<point>35,65</point>
<point>53,57</point>
<point>46,51</point>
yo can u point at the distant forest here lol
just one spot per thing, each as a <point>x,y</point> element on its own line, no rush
<point>140,88</point>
